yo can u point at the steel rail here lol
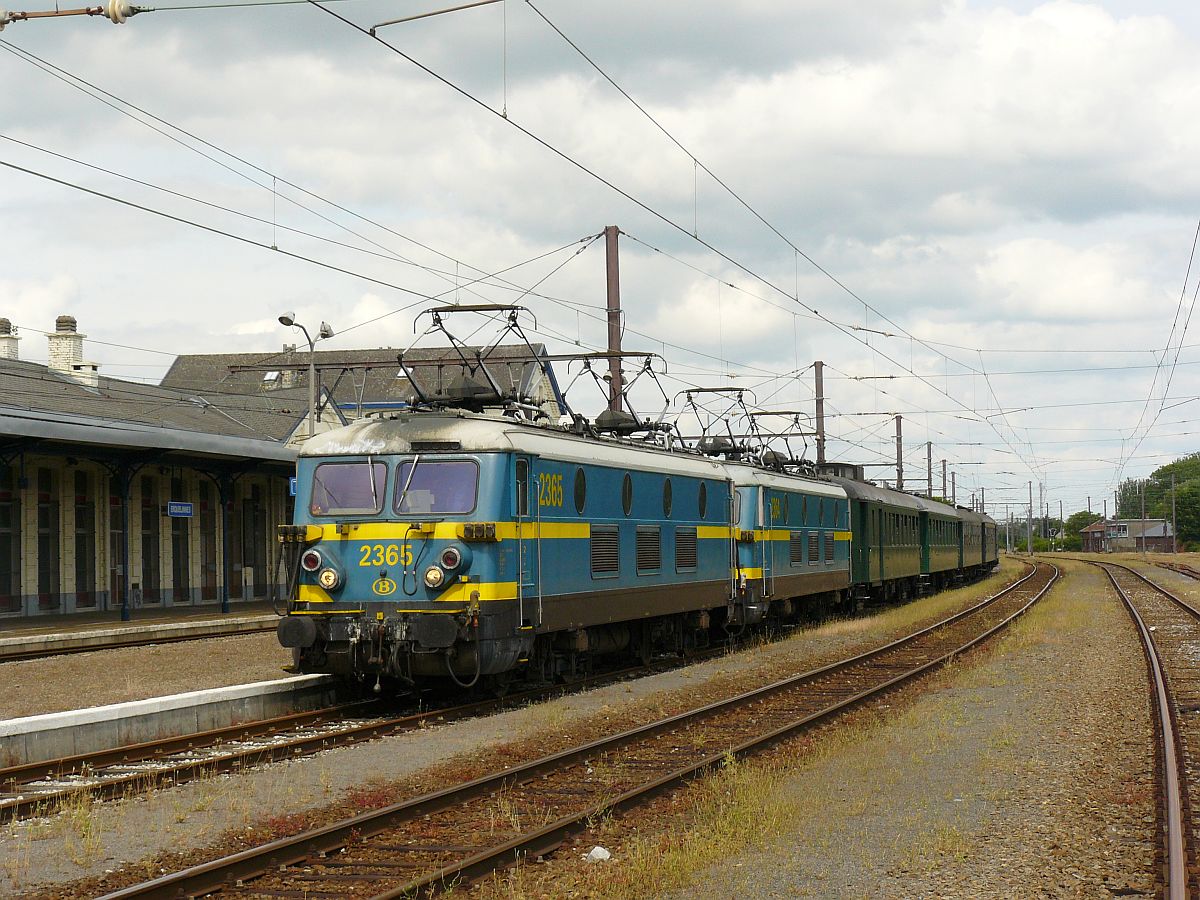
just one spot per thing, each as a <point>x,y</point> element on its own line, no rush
<point>1181,568</point>
<point>14,804</point>
<point>1171,747</point>
<point>211,876</point>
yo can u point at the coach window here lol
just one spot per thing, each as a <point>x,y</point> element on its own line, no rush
<point>667,498</point>
<point>580,490</point>
<point>627,494</point>
<point>703,499</point>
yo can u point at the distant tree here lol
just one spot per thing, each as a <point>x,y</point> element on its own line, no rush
<point>1158,499</point>
<point>1076,522</point>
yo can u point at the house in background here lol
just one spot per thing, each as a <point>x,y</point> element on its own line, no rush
<point>1129,536</point>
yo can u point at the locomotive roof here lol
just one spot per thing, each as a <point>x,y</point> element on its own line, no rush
<point>397,435</point>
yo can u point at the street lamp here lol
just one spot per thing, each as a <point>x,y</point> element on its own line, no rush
<point>323,333</point>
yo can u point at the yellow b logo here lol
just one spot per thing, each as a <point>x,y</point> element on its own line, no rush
<point>384,586</point>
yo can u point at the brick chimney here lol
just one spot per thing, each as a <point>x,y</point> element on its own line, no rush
<point>66,353</point>
<point>8,340</point>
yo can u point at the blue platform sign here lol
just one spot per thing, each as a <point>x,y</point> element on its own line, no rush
<point>178,509</point>
<point>292,486</point>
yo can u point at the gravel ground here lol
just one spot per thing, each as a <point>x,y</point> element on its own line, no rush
<point>93,840</point>
<point>1025,772</point>
<point>97,678</point>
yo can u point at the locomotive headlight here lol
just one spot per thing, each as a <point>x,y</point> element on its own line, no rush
<point>434,576</point>
<point>311,560</point>
<point>329,578</point>
<point>450,559</point>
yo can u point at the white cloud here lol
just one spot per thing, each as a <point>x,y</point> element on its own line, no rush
<point>988,175</point>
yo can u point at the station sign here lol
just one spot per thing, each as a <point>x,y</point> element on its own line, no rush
<point>177,509</point>
<point>292,486</point>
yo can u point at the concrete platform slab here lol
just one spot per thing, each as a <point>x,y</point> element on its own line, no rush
<point>51,736</point>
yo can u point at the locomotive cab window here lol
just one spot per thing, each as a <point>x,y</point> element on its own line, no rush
<point>348,488</point>
<point>443,487</point>
<point>523,487</point>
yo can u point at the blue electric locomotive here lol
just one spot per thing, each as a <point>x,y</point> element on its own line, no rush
<point>456,545</point>
<point>793,541</point>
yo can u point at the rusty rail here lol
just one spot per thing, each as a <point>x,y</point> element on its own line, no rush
<point>1172,749</point>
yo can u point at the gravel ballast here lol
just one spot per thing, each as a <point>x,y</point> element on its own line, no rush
<point>1025,770</point>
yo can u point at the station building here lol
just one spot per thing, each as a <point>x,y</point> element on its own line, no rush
<point>117,495</point>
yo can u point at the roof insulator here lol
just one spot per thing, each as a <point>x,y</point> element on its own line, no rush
<point>118,11</point>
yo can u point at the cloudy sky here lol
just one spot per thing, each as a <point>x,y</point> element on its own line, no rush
<point>979,215</point>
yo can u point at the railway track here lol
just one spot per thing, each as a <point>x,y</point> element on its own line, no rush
<point>1170,632</point>
<point>1181,568</point>
<point>40,788</point>
<point>465,831</point>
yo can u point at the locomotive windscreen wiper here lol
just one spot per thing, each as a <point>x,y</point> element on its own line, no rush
<point>371,475</point>
<point>407,481</point>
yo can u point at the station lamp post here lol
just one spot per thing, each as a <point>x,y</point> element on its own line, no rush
<point>323,333</point>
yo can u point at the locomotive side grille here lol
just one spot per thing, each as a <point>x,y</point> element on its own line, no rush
<point>685,548</point>
<point>829,546</point>
<point>649,548</point>
<point>796,548</point>
<point>606,550</point>
<point>814,548</point>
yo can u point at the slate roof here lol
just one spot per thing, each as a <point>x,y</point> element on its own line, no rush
<point>372,376</point>
<point>36,402</point>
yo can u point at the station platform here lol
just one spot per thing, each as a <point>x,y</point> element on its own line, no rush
<point>26,638</point>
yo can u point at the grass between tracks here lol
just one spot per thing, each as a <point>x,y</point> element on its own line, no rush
<point>745,806</point>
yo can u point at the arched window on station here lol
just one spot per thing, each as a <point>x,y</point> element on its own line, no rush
<point>85,540</point>
<point>49,559</point>
<point>10,541</point>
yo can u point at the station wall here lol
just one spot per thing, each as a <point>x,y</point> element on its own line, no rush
<point>63,528</point>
